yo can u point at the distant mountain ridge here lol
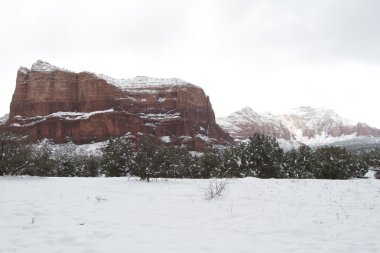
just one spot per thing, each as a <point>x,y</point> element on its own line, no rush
<point>305,125</point>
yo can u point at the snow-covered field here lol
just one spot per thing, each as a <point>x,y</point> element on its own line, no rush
<point>127,215</point>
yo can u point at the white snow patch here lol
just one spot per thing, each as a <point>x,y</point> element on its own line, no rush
<point>29,123</point>
<point>77,115</point>
<point>73,149</point>
<point>288,144</point>
<point>185,138</point>
<point>370,174</point>
<point>62,115</point>
<point>150,124</point>
<point>161,100</point>
<point>323,139</point>
<point>203,137</point>
<point>165,139</point>
<point>126,215</point>
<point>128,98</point>
<point>160,116</point>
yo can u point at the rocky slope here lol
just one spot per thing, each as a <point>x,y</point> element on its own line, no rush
<point>51,102</point>
<point>304,124</point>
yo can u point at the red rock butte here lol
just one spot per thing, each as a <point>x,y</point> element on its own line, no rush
<point>54,103</point>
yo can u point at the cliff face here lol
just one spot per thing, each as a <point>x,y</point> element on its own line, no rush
<point>302,124</point>
<point>54,103</point>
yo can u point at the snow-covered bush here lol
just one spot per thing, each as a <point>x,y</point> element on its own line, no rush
<point>14,154</point>
<point>118,157</point>
<point>297,163</point>
<point>232,160</point>
<point>153,161</point>
<point>260,157</point>
<point>211,165</point>
<point>42,162</point>
<point>336,163</point>
<point>263,157</point>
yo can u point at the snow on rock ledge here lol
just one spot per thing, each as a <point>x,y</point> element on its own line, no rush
<point>144,82</point>
<point>62,115</point>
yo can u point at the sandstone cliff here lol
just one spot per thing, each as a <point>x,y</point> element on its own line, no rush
<point>50,102</point>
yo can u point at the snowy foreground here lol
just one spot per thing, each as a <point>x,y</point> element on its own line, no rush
<point>127,215</point>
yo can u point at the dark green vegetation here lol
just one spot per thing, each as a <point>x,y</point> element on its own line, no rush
<point>260,157</point>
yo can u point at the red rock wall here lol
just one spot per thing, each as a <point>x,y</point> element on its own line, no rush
<point>40,93</point>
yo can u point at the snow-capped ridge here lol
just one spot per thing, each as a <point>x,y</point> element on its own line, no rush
<point>143,82</point>
<point>124,83</point>
<point>314,118</point>
<point>24,70</point>
<point>247,115</point>
<point>43,66</point>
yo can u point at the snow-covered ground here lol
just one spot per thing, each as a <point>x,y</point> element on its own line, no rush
<point>126,215</point>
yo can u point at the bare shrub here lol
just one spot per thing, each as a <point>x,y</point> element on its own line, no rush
<point>215,189</point>
<point>100,198</point>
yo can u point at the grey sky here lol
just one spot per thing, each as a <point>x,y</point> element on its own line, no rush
<point>270,55</point>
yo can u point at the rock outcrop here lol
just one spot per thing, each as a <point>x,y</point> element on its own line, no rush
<point>4,119</point>
<point>302,125</point>
<point>246,122</point>
<point>54,103</point>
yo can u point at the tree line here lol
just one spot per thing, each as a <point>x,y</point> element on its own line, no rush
<point>260,157</point>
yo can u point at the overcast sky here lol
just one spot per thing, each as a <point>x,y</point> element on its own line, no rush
<point>270,55</point>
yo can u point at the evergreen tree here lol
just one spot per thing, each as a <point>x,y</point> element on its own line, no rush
<point>297,163</point>
<point>304,162</point>
<point>193,168</point>
<point>118,157</point>
<point>361,166</point>
<point>14,154</point>
<point>232,160</point>
<point>173,162</point>
<point>145,161</point>
<point>290,164</point>
<point>211,165</point>
<point>263,157</point>
<point>43,164</point>
<point>90,166</point>
<point>335,163</point>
